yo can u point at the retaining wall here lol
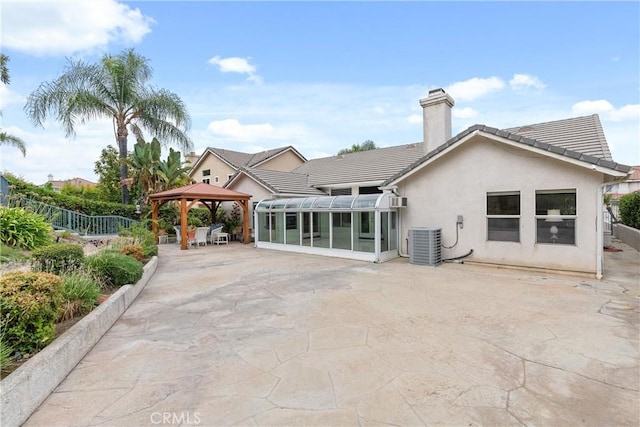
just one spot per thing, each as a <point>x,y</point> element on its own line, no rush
<point>28,386</point>
<point>629,235</point>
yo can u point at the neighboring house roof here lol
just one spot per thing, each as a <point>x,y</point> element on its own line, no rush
<point>363,166</point>
<point>238,159</point>
<point>635,175</point>
<point>554,149</point>
<point>78,182</point>
<point>279,182</point>
<point>581,134</point>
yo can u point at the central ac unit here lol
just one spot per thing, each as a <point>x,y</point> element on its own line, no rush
<point>425,246</point>
<point>398,202</point>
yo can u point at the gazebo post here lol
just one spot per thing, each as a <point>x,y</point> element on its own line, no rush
<point>183,224</point>
<point>245,221</point>
<point>154,219</point>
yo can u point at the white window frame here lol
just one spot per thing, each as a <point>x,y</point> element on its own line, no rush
<point>560,217</point>
<point>518,216</point>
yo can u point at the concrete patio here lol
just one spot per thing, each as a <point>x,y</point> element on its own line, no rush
<point>233,335</point>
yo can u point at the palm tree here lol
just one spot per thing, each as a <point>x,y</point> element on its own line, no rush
<point>115,88</point>
<point>5,138</point>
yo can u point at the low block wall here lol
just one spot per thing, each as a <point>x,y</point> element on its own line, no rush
<point>28,386</point>
<point>629,235</point>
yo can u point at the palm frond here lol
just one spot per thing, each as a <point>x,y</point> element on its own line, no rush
<point>6,139</point>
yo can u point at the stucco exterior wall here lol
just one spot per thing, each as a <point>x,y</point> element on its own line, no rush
<point>217,167</point>
<point>248,186</point>
<point>457,184</point>
<point>285,162</point>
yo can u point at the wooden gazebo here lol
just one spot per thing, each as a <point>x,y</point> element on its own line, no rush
<point>209,195</point>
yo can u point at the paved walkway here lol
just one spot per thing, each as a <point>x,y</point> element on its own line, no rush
<point>233,335</point>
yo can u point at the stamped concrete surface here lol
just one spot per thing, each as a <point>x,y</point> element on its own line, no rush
<point>234,335</point>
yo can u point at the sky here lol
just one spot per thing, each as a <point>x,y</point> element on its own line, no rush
<point>322,76</point>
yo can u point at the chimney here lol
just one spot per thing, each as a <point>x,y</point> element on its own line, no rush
<point>436,116</point>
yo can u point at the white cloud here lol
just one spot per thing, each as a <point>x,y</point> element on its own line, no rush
<point>474,88</point>
<point>235,64</point>
<point>523,81</point>
<point>591,107</point>
<point>464,113</point>
<point>628,112</point>
<point>66,27</point>
<point>8,97</point>
<point>607,110</point>
<point>234,130</point>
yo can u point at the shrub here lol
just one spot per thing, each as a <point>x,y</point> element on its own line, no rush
<point>79,295</point>
<point>30,303</point>
<point>24,229</point>
<point>134,251</point>
<point>629,206</point>
<point>6,353</point>
<point>113,268</point>
<point>58,258</point>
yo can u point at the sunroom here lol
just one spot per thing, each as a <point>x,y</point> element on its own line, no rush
<point>362,227</point>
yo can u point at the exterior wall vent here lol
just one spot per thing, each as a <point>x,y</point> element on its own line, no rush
<point>398,202</point>
<point>425,246</point>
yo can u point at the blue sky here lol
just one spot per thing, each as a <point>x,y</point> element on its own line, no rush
<point>322,76</point>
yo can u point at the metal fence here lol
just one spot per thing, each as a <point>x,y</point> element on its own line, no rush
<point>64,219</point>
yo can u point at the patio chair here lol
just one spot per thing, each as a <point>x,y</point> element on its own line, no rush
<point>217,236</point>
<point>201,236</point>
<point>178,234</point>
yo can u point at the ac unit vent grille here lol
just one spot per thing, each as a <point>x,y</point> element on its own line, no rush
<point>425,246</point>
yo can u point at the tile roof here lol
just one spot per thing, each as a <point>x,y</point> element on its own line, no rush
<point>362,166</point>
<point>239,159</point>
<point>552,148</point>
<point>581,134</point>
<point>282,182</point>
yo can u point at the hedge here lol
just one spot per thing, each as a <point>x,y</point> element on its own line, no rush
<point>629,207</point>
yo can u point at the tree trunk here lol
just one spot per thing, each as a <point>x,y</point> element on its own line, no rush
<point>124,170</point>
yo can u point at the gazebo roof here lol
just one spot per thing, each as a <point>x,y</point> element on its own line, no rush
<point>200,191</point>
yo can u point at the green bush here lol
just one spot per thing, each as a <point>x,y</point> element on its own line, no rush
<point>80,294</point>
<point>30,303</point>
<point>20,187</point>
<point>58,258</point>
<point>23,229</point>
<point>629,206</point>
<point>112,268</point>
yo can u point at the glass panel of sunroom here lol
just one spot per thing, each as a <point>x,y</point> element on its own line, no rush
<point>393,232</point>
<point>384,231</point>
<point>321,237</point>
<point>363,231</point>
<point>277,234</point>
<point>264,231</point>
<point>366,201</point>
<point>341,230</point>
<point>293,228</point>
<point>306,228</point>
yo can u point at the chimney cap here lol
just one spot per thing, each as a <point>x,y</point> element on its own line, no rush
<point>436,91</point>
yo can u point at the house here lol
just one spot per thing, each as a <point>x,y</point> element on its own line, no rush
<point>216,165</point>
<point>75,182</point>
<point>529,197</point>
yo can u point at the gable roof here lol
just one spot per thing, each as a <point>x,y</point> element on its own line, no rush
<point>238,159</point>
<point>581,134</point>
<point>199,190</point>
<point>279,182</point>
<point>551,149</point>
<point>363,166</point>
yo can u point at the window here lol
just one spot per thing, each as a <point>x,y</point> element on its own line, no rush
<point>229,176</point>
<point>206,181</point>
<point>503,217</point>
<point>216,179</point>
<point>556,217</point>
<point>206,172</point>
